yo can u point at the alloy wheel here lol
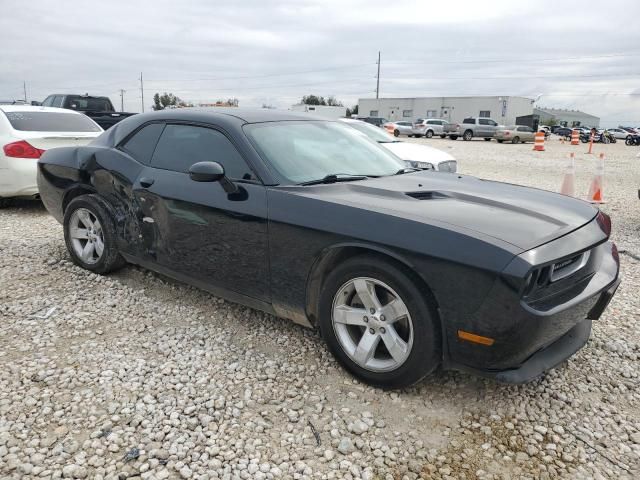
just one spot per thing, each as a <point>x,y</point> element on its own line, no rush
<point>86,236</point>
<point>372,324</point>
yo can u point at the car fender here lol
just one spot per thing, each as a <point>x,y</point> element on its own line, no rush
<point>335,253</point>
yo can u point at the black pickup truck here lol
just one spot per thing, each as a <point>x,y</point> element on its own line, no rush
<point>99,109</point>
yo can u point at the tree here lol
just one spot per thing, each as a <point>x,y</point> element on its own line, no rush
<point>160,102</point>
<point>354,110</point>
<point>333,102</point>
<point>551,122</point>
<point>313,100</point>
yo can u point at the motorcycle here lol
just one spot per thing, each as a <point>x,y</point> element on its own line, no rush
<point>632,140</point>
<point>600,137</point>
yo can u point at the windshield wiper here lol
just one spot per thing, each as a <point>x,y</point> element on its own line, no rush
<point>334,178</point>
<point>407,170</point>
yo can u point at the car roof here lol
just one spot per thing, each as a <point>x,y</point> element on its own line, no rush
<point>248,115</point>
<point>34,108</point>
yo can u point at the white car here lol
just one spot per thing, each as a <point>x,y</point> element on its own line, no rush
<point>399,128</point>
<point>618,133</point>
<point>429,127</point>
<point>415,155</point>
<point>26,132</point>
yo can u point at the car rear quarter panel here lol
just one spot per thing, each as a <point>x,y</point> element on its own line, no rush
<point>62,172</point>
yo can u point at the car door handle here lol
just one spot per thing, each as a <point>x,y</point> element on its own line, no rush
<point>146,182</point>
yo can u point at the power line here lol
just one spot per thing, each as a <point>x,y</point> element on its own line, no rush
<point>265,75</point>
<point>519,59</point>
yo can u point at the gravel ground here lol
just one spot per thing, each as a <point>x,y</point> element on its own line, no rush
<point>135,376</point>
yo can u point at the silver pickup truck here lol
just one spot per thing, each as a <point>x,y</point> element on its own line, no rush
<point>471,127</point>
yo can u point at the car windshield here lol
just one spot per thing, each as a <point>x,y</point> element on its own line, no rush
<point>311,150</point>
<point>51,122</point>
<point>374,133</point>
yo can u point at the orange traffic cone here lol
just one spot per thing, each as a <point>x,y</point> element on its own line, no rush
<point>538,144</point>
<point>569,181</point>
<point>596,189</point>
<point>575,137</point>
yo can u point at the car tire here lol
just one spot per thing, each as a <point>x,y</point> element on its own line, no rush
<point>429,134</point>
<point>468,135</point>
<point>5,202</point>
<point>499,141</point>
<point>515,140</point>
<point>415,357</point>
<point>93,247</point>
<point>453,137</point>
<point>443,136</point>
<point>396,133</point>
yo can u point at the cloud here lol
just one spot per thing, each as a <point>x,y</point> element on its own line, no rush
<point>274,52</point>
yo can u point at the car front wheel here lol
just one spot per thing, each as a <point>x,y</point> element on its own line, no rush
<point>429,134</point>
<point>468,135</point>
<point>378,324</point>
<point>90,235</point>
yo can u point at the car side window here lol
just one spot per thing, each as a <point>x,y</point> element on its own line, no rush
<point>469,120</point>
<point>484,121</point>
<point>57,101</point>
<point>48,101</point>
<point>180,146</point>
<point>141,145</point>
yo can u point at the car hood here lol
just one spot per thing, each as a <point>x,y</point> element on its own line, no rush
<point>521,216</point>
<point>417,153</point>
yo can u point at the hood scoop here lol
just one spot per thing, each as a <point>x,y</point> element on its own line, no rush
<point>428,195</point>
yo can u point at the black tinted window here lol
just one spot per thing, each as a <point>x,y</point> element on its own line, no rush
<point>76,102</point>
<point>141,145</point>
<point>51,122</point>
<point>48,101</point>
<point>484,121</point>
<point>57,101</point>
<point>181,146</point>
<point>469,120</point>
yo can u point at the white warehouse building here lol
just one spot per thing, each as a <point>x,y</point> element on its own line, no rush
<point>503,110</point>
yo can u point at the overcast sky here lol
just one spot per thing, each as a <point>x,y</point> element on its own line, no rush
<point>574,54</point>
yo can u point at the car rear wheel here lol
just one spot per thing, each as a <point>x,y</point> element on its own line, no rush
<point>429,134</point>
<point>396,133</point>
<point>500,141</point>
<point>443,136</point>
<point>90,236</point>
<point>378,324</point>
<point>453,137</point>
<point>515,140</point>
<point>468,135</point>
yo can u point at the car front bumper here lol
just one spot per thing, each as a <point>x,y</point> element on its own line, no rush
<point>553,354</point>
<point>18,177</point>
<point>529,336</point>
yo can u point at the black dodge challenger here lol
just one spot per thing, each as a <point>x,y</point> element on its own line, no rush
<point>401,270</point>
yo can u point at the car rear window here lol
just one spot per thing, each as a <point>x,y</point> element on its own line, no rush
<point>88,103</point>
<point>51,122</point>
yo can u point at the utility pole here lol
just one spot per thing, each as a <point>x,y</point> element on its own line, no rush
<point>122,99</point>
<point>378,77</point>
<point>142,91</point>
<point>24,86</point>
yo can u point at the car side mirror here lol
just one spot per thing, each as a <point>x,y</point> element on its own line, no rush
<point>206,172</point>
<point>211,172</point>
